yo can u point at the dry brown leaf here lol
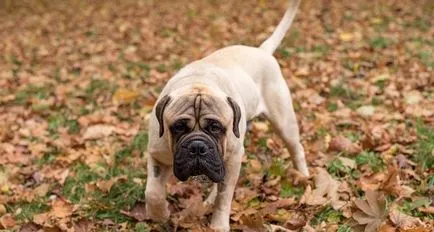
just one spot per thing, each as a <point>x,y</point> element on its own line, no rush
<point>372,211</point>
<point>138,212</point>
<point>61,209</point>
<point>98,131</point>
<point>41,219</point>
<point>342,144</point>
<point>83,226</point>
<point>105,185</point>
<point>326,190</point>
<point>254,222</point>
<point>402,220</point>
<point>7,221</point>
<point>42,190</point>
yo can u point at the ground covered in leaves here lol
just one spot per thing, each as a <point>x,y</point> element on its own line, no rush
<point>78,80</point>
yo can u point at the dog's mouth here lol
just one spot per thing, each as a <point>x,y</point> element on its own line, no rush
<point>196,156</point>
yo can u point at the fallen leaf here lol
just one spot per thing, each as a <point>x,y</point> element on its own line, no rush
<point>342,144</point>
<point>98,131</point>
<point>346,36</point>
<point>7,221</point>
<point>402,220</point>
<point>366,111</point>
<point>254,222</point>
<point>326,191</point>
<point>124,96</point>
<point>83,225</point>
<point>105,185</point>
<point>42,190</point>
<point>41,219</point>
<point>2,210</point>
<point>138,212</point>
<point>61,209</point>
<point>372,210</point>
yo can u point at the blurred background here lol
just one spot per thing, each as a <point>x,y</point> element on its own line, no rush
<point>78,80</point>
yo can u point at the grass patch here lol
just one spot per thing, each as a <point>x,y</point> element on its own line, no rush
<point>26,210</point>
<point>426,58</point>
<point>379,43</point>
<point>56,121</point>
<point>424,146</point>
<point>23,97</point>
<point>48,157</point>
<point>332,107</point>
<point>136,70</point>
<point>349,97</point>
<point>410,207</point>
<point>124,193</point>
<point>370,159</point>
<point>277,168</point>
<point>327,214</point>
<point>337,169</point>
<point>344,228</point>
<point>142,227</point>
<point>288,190</point>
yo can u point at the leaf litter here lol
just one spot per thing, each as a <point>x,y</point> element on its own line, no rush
<point>75,98</point>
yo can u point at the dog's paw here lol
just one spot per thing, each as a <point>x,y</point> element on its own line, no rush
<point>220,228</point>
<point>159,213</point>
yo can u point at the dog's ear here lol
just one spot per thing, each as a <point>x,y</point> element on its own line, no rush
<point>159,110</point>
<point>237,116</point>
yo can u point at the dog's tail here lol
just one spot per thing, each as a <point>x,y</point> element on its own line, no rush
<point>271,44</point>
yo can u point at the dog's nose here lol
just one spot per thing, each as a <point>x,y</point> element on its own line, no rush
<point>197,148</point>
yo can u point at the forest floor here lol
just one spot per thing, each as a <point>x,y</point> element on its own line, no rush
<point>78,80</point>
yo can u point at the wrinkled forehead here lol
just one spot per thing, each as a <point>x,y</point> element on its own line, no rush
<point>199,105</point>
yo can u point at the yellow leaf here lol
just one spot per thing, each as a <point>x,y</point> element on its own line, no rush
<point>346,36</point>
<point>123,96</point>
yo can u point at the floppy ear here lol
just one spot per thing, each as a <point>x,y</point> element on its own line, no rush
<point>159,110</point>
<point>237,116</point>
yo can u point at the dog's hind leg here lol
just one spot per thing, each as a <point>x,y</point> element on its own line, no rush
<point>279,110</point>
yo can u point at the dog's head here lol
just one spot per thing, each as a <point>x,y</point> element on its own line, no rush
<point>197,125</point>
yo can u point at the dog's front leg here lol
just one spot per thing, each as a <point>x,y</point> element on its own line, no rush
<point>222,207</point>
<point>157,207</point>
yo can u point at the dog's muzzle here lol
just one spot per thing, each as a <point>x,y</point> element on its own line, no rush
<point>198,155</point>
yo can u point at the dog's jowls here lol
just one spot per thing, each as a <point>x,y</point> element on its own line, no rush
<point>199,122</point>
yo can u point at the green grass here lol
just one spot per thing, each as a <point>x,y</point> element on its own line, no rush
<point>379,43</point>
<point>426,57</point>
<point>328,215</point>
<point>277,168</point>
<point>105,205</point>
<point>371,159</point>
<point>332,107</point>
<point>424,146</point>
<point>288,190</point>
<point>58,120</point>
<point>124,193</point>
<point>344,228</point>
<point>142,227</point>
<point>349,97</point>
<point>139,143</point>
<point>337,169</point>
<point>48,157</point>
<point>23,97</point>
<point>26,210</point>
<point>410,207</point>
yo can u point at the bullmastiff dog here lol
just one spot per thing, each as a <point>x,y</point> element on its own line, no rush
<point>198,124</point>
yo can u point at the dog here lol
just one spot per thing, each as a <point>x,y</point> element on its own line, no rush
<point>199,122</point>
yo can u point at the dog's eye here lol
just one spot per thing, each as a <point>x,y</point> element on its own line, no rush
<point>179,127</point>
<point>215,127</point>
